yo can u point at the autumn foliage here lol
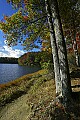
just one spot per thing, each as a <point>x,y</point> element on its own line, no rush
<point>35,58</point>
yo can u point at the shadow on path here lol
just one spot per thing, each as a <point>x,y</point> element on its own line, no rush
<point>75,74</point>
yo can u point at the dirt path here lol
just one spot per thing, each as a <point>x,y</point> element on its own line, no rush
<point>17,110</point>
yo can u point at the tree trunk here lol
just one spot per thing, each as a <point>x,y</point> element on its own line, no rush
<point>75,46</point>
<point>54,50</point>
<point>62,53</point>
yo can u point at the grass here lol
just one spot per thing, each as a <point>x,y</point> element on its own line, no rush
<point>39,89</point>
<point>18,87</point>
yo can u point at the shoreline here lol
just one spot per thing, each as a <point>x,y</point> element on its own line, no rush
<point>15,81</point>
<point>10,72</point>
<point>14,89</point>
<point>32,97</point>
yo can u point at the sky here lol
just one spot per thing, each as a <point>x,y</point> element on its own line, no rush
<point>5,51</point>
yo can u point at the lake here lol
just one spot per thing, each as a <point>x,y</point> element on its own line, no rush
<point>9,72</point>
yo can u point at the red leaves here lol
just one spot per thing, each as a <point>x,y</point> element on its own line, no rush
<point>25,18</point>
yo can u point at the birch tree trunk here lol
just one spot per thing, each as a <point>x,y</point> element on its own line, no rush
<point>75,46</point>
<point>54,51</point>
<point>62,53</point>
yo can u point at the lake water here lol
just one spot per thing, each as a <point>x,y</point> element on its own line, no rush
<point>9,72</point>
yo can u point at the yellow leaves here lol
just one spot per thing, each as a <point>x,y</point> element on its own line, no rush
<point>50,50</point>
<point>5,31</point>
<point>46,46</point>
<point>15,19</point>
<point>3,27</point>
<point>46,49</point>
<point>31,14</point>
<point>47,37</point>
<point>19,13</point>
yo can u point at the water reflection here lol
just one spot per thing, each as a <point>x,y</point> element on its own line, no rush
<point>10,72</point>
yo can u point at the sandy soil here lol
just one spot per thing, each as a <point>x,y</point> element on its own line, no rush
<point>17,110</point>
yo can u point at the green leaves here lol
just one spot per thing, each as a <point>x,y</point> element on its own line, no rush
<point>30,22</point>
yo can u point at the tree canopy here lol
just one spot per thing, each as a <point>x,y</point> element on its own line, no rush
<point>30,23</point>
<point>36,19</point>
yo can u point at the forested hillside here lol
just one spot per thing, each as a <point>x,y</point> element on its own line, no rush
<point>35,58</point>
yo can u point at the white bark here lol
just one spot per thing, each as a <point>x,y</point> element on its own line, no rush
<point>54,50</point>
<point>62,53</point>
<point>75,48</point>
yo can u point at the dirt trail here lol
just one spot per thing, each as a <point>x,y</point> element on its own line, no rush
<point>20,110</point>
<point>17,110</point>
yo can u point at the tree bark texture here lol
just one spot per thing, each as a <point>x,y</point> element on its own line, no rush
<point>62,53</point>
<point>54,50</point>
<point>75,46</point>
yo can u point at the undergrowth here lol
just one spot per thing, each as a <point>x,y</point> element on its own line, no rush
<point>39,89</point>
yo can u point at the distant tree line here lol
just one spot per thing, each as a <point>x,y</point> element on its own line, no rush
<point>8,60</point>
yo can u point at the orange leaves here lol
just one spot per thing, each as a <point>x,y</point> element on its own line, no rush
<point>25,2</point>
<point>5,17</point>
<point>78,37</point>
<point>25,18</point>
<point>3,27</point>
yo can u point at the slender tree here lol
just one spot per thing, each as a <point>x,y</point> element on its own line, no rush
<point>24,23</point>
<point>62,53</point>
<point>71,21</point>
<point>74,32</point>
<point>54,50</point>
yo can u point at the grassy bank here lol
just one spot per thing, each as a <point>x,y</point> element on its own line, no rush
<point>38,89</point>
<point>20,86</point>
